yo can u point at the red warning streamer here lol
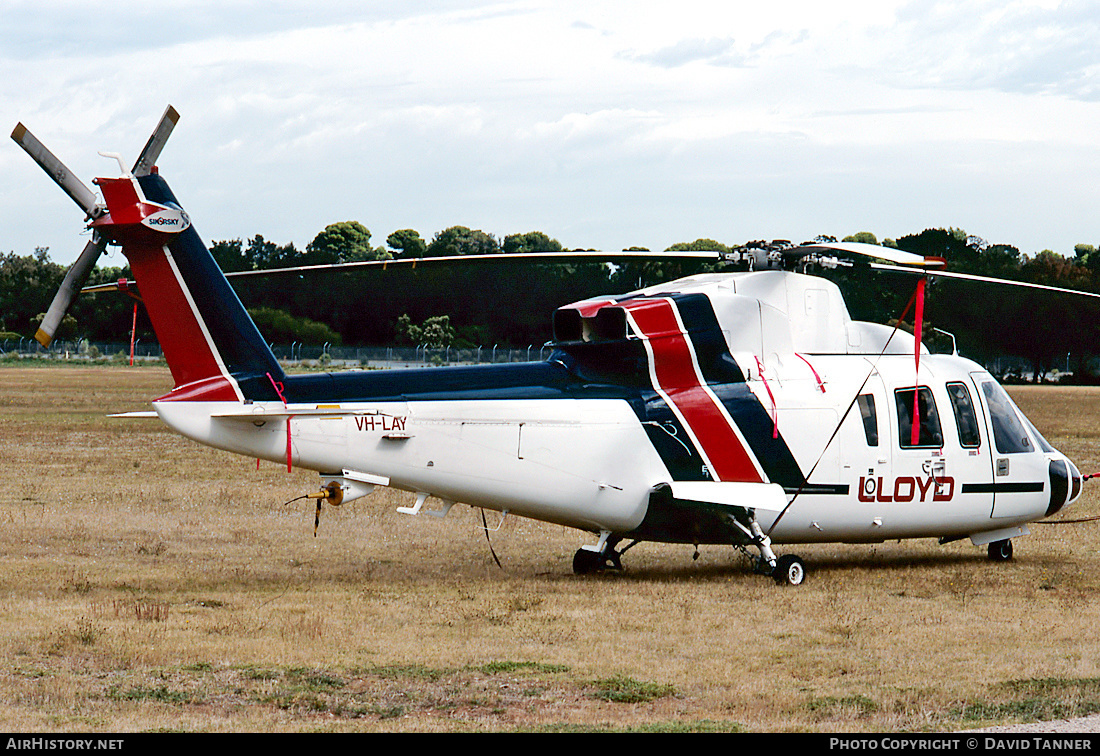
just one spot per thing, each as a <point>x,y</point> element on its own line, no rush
<point>279,390</point>
<point>133,333</point>
<point>918,318</point>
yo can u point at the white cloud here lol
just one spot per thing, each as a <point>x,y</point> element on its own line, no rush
<point>713,51</point>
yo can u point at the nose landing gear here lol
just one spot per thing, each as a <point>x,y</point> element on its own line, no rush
<point>601,557</point>
<point>586,562</point>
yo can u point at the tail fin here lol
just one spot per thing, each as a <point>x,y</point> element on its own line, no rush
<point>212,346</point>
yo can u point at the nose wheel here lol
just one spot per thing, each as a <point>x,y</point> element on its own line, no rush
<point>601,557</point>
<point>1000,551</point>
<point>586,562</point>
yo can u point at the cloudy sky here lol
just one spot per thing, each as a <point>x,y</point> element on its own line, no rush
<point>604,124</point>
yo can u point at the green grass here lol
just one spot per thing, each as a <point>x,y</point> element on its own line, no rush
<point>416,672</point>
<point>1033,700</point>
<point>622,689</point>
<point>701,725</point>
<point>511,667</point>
<point>158,694</point>
<point>836,706</point>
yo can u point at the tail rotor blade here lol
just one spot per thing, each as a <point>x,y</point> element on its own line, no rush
<point>149,155</point>
<point>74,187</point>
<point>70,287</point>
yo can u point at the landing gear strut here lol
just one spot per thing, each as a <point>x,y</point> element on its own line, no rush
<point>785,570</point>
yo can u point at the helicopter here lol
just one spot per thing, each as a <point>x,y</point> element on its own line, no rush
<point>745,409</point>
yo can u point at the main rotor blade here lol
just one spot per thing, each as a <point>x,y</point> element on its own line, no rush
<point>985,279</point>
<point>532,257</point>
<point>890,254</point>
<point>74,187</point>
<point>70,287</point>
<point>149,155</point>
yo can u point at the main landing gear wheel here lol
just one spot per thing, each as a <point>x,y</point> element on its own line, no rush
<point>789,570</point>
<point>1000,551</point>
<point>587,562</point>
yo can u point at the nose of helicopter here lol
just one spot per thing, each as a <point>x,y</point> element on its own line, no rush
<point>1076,481</point>
<point>1065,484</point>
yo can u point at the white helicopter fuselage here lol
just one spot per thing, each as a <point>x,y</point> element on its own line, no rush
<point>589,463</point>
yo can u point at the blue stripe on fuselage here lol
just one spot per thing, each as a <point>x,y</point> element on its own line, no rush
<point>529,380</point>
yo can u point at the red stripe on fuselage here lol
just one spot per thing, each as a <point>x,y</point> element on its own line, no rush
<point>676,376</point>
<point>186,347</point>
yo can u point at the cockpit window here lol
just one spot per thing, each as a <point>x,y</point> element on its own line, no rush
<point>870,418</point>
<point>965,417</point>
<point>1008,432</point>
<point>928,418</point>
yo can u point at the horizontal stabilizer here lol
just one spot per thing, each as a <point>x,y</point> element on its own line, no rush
<point>766,496</point>
<point>134,415</point>
<point>260,412</point>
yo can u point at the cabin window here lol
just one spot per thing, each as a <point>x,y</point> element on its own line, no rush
<point>965,417</point>
<point>928,419</point>
<point>867,411</point>
<point>1008,432</point>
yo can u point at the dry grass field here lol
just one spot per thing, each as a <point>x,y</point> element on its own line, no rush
<point>150,584</point>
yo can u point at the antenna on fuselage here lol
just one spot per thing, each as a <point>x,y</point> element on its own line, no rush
<point>954,346</point>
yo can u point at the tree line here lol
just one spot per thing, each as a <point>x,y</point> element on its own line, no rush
<point>510,303</point>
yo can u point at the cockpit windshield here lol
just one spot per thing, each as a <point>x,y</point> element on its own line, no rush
<point>1037,435</point>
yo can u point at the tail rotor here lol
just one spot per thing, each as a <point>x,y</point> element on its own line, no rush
<point>87,201</point>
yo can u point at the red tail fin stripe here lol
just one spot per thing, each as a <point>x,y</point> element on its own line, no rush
<point>676,376</point>
<point>197,368</point>
<point>211,348</point>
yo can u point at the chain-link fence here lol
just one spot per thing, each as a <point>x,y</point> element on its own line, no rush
<point>1008,369</point>
<point>294,354</point>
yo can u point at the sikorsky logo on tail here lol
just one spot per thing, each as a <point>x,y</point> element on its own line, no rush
<point>906,488</point>
<point>168,220</point>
